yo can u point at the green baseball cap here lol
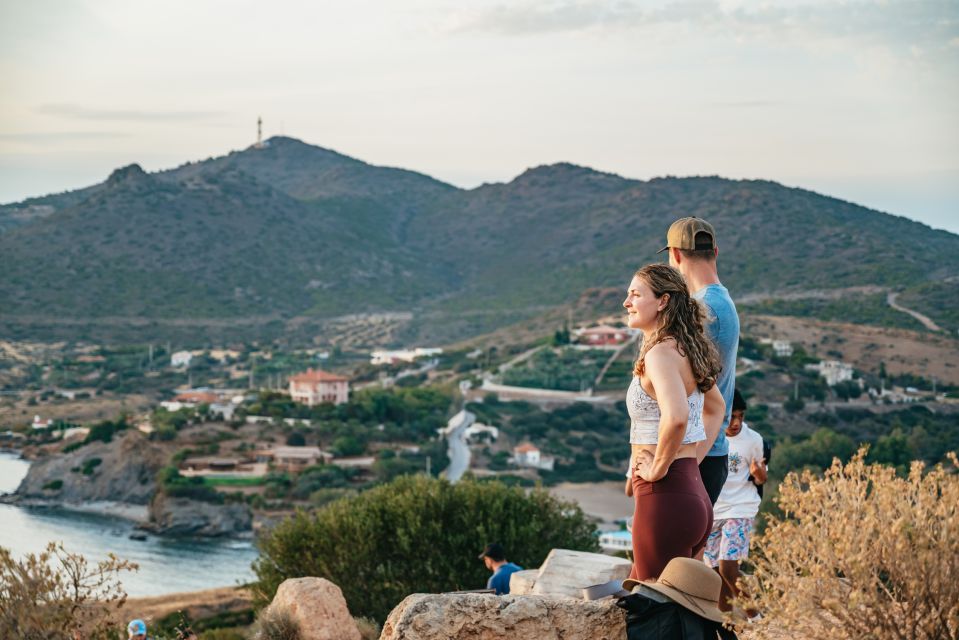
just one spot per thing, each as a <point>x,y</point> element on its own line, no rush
<point>682,235</point>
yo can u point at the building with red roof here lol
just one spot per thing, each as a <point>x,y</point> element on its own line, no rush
<point>314,386</point>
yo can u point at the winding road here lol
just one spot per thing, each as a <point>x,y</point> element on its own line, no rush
<point>459,452</point>
<point>925,320</point>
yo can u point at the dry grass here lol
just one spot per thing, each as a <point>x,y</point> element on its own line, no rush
<point>861,554</point>
<point>368,628</point>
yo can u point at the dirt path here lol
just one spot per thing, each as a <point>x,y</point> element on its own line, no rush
<point>925,320</point>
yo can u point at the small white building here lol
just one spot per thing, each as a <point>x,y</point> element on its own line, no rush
<point>176,405</point>
<point>225,409</point>
<point>833,371</point>
<point>313,387</point>
<point>782,348</point>
<point>528,455</point>
<point>41,424</point>
<point>403,355</point>
<point>181,359</point>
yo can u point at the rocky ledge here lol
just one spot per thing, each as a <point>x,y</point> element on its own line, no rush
<point>122,471</point>
<point>471,616</point>
<point>185,517</point>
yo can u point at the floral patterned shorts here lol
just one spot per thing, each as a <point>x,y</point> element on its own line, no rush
<point>729,540</point>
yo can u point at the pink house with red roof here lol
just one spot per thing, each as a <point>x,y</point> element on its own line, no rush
<point>314,386</point>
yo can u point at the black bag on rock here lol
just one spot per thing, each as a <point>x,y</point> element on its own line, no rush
<point>662,619</point>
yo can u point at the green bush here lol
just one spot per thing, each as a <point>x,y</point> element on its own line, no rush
<point>53,485</point>
<point>416,534</point>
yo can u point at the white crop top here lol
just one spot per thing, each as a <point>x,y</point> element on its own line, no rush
<point>644,416</point>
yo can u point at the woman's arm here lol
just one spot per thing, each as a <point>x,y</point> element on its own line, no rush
<point>714,410</point>
<point>662,369</point>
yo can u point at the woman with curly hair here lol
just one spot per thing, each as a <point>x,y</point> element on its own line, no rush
<point>675,414</point>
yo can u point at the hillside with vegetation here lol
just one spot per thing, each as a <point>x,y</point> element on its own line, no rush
<point>262,242</point>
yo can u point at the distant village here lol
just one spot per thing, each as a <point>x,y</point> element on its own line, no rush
<point>315,386</point>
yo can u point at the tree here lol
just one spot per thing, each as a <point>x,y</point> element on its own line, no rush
<point>58,595</point>
<point>296,439</point>
<point>416,534</point>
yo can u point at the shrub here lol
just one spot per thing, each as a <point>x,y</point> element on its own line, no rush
<point>416,534</point>
<point>276,625</point>
<point>58,595</point>
<point>296,439</point>
<point>860,553</point>
<point>53,485</point>
<point>90,465</point>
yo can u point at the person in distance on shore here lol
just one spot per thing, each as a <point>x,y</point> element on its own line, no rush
<point>691,243</point>
<point>671,401</point>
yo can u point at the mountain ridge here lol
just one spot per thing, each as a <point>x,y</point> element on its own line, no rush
<point>295,230</point>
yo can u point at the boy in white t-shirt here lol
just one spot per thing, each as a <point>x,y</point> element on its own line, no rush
<point>738,503</point>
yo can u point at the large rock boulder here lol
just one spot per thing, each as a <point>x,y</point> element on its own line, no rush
<point>122,470</point>
<point>566,573</point>
<point>473,616</point>
<point>521,583</point>
<point>185,517</point>
<point>317,606</point>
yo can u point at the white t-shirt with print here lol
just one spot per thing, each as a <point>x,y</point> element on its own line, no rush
<point>739,498</point>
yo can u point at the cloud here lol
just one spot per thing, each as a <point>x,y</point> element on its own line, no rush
<point>78,112</point>
<point>745,104</point>
<point>892,22</point>
<point>61,136</point>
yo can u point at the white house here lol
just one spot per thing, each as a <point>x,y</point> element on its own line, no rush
<point>527,455</point>
<point>313,387</point>
<point>782,348</point>
<point>181,359</point>
<point>833,371</point>
<point>41,424</point>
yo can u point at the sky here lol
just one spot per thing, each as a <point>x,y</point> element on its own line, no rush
<point>854,99</point>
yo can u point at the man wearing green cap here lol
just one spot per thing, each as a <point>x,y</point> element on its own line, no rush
<point>691,243</point>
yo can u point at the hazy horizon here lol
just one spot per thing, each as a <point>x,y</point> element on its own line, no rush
<point>855,100</point>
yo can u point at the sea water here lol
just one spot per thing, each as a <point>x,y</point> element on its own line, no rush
<point>167,565</point>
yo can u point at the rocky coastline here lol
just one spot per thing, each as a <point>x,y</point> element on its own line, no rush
<point>118,478</point>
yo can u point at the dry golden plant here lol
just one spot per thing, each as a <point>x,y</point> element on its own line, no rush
<point>56,594</point>
<point>860,554</point>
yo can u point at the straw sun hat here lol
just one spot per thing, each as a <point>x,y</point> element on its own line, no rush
<point>690,584</point>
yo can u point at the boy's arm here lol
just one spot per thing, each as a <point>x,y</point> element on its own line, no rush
<point>757,466</point>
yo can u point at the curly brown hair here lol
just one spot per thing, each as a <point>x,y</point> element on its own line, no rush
<point>682,319</point>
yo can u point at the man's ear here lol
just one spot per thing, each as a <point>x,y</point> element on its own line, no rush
<point>676,255</point>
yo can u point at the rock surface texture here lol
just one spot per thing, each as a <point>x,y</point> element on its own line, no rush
<point>186,517</point>
<point>567,573</point>
<point>318,607</point>
<point>122,470</point>
<point>487,617</point>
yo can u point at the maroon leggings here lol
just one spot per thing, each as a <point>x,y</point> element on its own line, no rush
<point>672,519</point>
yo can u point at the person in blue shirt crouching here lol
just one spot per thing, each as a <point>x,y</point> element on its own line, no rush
<point>494,557</point>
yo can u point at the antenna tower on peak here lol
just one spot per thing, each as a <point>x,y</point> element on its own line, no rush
<point>259,132</point>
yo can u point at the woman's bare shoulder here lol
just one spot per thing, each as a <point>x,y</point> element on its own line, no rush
<point>663,352</point>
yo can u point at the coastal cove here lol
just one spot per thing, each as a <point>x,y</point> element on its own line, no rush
<point>167,564</point>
